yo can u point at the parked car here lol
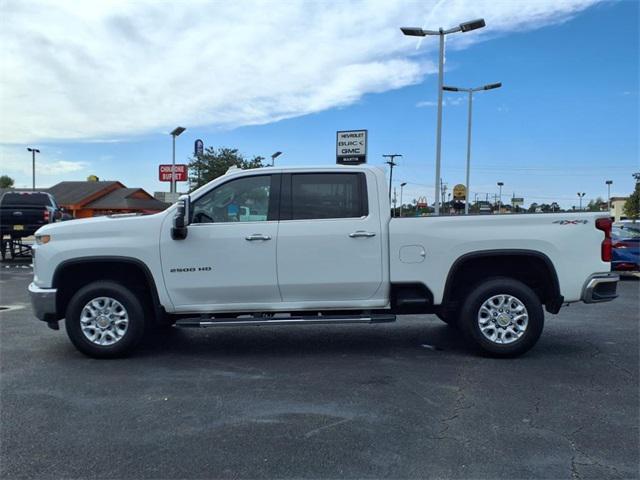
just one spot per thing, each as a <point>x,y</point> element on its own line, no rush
<point>325,250</point>
<point>626,247</point>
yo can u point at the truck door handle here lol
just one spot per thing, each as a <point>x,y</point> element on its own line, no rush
<point>257,236</point>
<point>362,233</point>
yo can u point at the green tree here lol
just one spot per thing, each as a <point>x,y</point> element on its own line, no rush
<point>6,181</point>
<point>215,162</point>
<point>632,205</point>
<point>595,205</point>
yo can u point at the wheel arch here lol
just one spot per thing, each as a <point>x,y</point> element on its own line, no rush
<point>73,273</point>
<point>540,274</point>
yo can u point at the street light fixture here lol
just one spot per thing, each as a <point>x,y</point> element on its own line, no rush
<point>580,195</point>
<point>470,91</point>
<point>500,185</point>
<point>174,133</point>
<point>33,166</point>
<point>274,156</point>
<point>391,164</point>
<point>419,32</point>
<point>609,183</point>
<point>401,188</point>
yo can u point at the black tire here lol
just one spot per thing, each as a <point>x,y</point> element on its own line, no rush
<point>134,310</point>
<point>484,291</point>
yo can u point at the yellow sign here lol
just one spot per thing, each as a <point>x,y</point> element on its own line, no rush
<point>459,192</point>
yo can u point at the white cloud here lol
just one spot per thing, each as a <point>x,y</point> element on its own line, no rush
<point>16,162</point>
<point>101,70</point>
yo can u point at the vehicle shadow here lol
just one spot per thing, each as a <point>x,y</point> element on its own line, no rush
<point>423,336</point>
<point>415,337</point>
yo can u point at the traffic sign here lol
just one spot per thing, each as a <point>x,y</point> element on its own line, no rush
<point>459,192</point>
<point>180,172</point>
<point>351,147</point>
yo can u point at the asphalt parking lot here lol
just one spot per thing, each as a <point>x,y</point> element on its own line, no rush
<point>403,400</point>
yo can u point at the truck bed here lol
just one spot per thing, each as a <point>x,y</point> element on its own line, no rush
<point>421,248</point>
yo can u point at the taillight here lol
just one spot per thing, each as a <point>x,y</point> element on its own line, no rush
<point>604,224</point>
<point>46,216</point>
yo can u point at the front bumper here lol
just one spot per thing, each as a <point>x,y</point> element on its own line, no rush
<point>43,301</point>
<point>600,287</point>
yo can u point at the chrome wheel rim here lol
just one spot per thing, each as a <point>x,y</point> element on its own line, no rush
<point>104,321</point>
<point>503,319</point>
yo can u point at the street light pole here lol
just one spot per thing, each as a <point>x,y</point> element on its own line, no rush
<point>419,32</point>
<point>609,182</point>
<point>174,133</point>
<point>391,164</point>
<point>470,91</point>
<point>401,187</point>
<point>33,166</point>
<point>274,156</point>
<point>500,185</point>
<point>580,195</point>
<point>439,123</point>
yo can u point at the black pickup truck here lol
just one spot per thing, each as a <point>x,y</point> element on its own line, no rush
<point>22,213</point>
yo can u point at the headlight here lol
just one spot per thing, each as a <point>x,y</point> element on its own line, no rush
<point>42,239</point>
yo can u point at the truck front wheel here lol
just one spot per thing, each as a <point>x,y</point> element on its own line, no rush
<point>503,317</point>
<point>105,320</point>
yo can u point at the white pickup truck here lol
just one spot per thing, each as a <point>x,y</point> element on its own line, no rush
<point>318,247</point>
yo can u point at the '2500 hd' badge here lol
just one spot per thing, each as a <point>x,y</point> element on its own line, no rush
<point>190,269</point>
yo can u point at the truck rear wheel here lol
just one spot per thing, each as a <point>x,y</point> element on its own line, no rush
<point>105,320</point>
<point>503,317</point>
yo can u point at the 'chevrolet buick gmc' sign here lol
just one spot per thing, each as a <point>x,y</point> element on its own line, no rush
<point>351,147</point>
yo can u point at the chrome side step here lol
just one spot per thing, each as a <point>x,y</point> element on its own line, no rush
<point>293,320</point>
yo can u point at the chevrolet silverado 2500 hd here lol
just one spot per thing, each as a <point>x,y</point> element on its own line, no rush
<point>318,246</point>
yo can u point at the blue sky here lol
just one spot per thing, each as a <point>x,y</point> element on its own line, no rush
<point>565,120</point>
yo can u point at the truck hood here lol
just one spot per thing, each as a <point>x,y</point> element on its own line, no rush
<point>108,225</point>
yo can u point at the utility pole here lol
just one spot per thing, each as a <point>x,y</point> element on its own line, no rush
<point>443,190</point>
<point>401,188</point>
<point>33,166</point>
<point>395,204</point>
<point>391,163</point>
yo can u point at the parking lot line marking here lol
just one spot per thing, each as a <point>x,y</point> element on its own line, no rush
<point>318,430</point>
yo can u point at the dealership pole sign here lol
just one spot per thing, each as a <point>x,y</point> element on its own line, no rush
<point>198,148</point>
<point>179,172</point>
<point>351,147</point>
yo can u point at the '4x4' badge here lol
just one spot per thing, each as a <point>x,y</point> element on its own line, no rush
<point>571,222</point>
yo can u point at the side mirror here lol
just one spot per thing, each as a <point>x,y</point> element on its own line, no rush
<point>181,218</point>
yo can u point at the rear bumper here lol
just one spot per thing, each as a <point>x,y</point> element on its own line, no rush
<point>43,301</point>
<point>600,287</point>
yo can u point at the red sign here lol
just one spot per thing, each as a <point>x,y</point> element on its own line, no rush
<point>180,172</point>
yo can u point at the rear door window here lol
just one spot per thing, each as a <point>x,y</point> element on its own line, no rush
<point>328,195</point>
